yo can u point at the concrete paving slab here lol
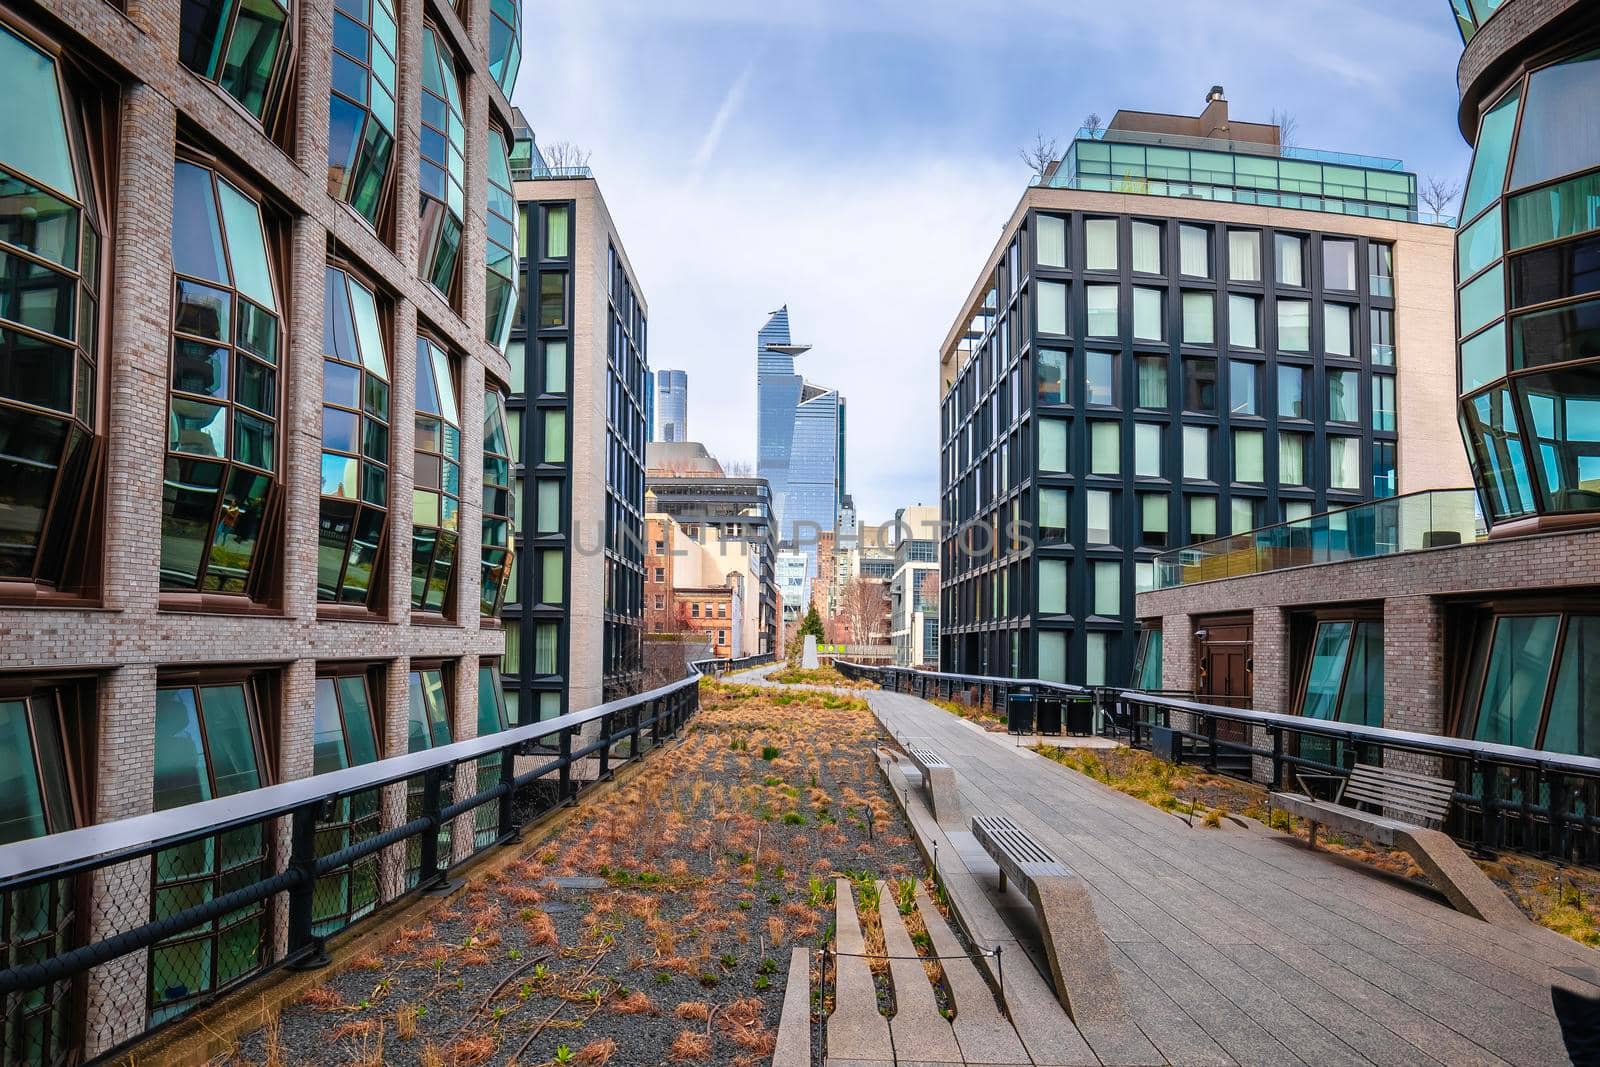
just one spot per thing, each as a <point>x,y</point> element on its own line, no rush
<point>920,1033</point>
<point>794,1025</point>
<point>984,1035</point>
<point>855,1030</point>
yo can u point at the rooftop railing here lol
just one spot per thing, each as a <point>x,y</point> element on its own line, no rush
<point>191,902</point>
<point>1506,797</point>
<point>548,174</point>
<point>1252,148</point>
<point>1413,523</point>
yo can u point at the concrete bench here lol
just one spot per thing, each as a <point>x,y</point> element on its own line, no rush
<point>939,778</point>
<point>1410,808</point>
<point>1080,961</point>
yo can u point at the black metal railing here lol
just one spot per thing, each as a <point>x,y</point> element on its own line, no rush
<point>1506,798</point>
<point>718,667</point>
<point>132,923</point>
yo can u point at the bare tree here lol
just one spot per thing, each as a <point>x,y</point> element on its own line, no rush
<point>561,155</point>
<point>1041,154</point>
<point>739,468</point>
<point>1092,121</point>
<point>863,609</point>
<point>1439,194</point>
<point>1288,128</point>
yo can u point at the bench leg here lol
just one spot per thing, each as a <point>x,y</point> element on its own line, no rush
<point>1311,836</point>
<point>1002,881</point>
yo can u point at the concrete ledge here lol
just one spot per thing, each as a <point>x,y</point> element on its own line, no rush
<point>794,1025</point>
<point>856,1030</point>
<point>1462,880</point>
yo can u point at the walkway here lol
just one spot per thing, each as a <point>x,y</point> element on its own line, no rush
<point>1240,946</point>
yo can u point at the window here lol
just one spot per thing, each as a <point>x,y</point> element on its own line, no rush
<point>1147,660</point>
<point>1100,244</point>
<point>1103,310</point>
<point>1526,663</point>
<point>548,511</point>
<point>1296,510</point>
<point>1247,513</point>
<point>1289,251</point>
<point>1200,385</point>
<point>1344,396</point>
<point>1194,251</point>
<point>1382,402</point>
<point>1153,520</point>
<point>1383,479</point>
<point>1149,314</point>
<point>1099,379</point>
<point>500,262</point>
<point>1052,305</point>
<point>1094,664</point>
<point>1494,447</point>
<point>345,734</point>
<point>1563,409</point>
<point>1052,656</point>
<point>436,497</point>
<point>1291,392</point>
<point>428,715</point>
<point>1339,265</point>
<point>552,300</point>
<point>207,745</point>
<point>1547,144</point>
<point>557,231</point>
<point>1105,448</point>
<point>441,167</point>
<point>1052,587</point>
<point>1344,679</point>
<point>1146,449</point>
<point>1344,463</point>
<point>1382,337</point>
<point>1197,453</point>
<point>1244,321</point>
<point>1199,312</point>
<point>1051,380</point>
<point>1107,588</point>
<point>355,442</point>
<point>555,435</point>
<point>50,255</point>
<point>1244,388</point>
<point>1052,446</point>
<point>1146,248</point>
<point>1338,329</point>
<point>555,366</point>
<point>546,648</point>
<point>1380,268</point>
<point>1244,255</point>
<point>1052,514</point>
<point>222,448</point>
<point>505,43</point>
<point>1292,458</point>
<point>243,47</point>
<point>1249,456</point>
<point>1052,238</point>
<point>1152,381</point>
<point>1202,518</point>
<point>497,504</point>
<point>1294,325</point>
<point>1099,517</point>
<point>552,574</point>
<point>361,106</point>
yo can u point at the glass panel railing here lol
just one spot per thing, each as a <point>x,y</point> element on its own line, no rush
<point>1413,523</point>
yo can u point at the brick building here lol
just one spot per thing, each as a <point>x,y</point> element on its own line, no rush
<point>252,515</point>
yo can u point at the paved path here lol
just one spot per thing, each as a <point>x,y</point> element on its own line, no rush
<point>1241,946</point>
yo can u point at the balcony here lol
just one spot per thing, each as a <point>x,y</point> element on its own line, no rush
<point>1412,523</point>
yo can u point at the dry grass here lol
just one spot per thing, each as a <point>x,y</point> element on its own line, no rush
<point>690,1045</point>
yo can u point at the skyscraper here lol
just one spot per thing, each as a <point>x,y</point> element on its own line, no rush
<point>671,406</point>
<point>799,440</point>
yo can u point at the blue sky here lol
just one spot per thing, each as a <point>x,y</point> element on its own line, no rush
<point>855,159</point>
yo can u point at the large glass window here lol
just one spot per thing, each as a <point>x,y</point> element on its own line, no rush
<point>1052,305</point>
<point>1202,518</point>
<point>1051,376</point>
<point>1380,268</point>
<point>1153,520</point>
<point>1550,143</point>
<point>1197,453</point>
<point>1105,448</point>
<point>1098,522</point>
<point>1147,449</point>
<point>1244,255</point>
<point>1517,670</point>
<point>1052,240</point>
<point>1292,458</point>
<point>1199,314</point>
<point>1152,381</point>
<point>1383,402</point>
<point>1338,329</point>
<point>1289,252</point>
<point>1149,314</point>
<point>1107,588</point>
<point>1244,321</point>
<point>361,106</point>
<point>1244,388</point>
<point>1052,514</point>
<point>552,300</point>
<point>1382,337</point>
<point>1344,680</point>
<point>1291,392</point>
<point>1493,151</point>
<point>241,45</point>
<point>346,734</point>
<point>1100,379</point>
<point>1094,658</point>
<point>1344,396</point>
<point>442,166</point>
<point>436,497</point>
<point>429,716</point>
<point>1344,463</point>
<point>500,262</point>
<point>1563,412</point>
<point>1052,446</point>
<point>1574,720</point>
<point>1103,310</point>
<point>1294,325</point>
<point>1194,251</point>
<point>355,442</point>
<point>1249,456</point>
<point>1053,586</point>
<point>498,506</point>
<point>49,324</point>
<point>1200,385</point>
<point>1339,265</point>
<point>207,745</point>
<point>505,43</point>
<point>1147,660</point>
<point>1052,656</point>
<point>1100,244</point>
<point>222,441</point>
<point>1146,247</point>
<point>1499,463</point>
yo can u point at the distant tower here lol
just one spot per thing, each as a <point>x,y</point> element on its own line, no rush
<point>672,405</point>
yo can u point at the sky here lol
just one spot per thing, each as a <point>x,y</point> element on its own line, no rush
<point>856,160</point>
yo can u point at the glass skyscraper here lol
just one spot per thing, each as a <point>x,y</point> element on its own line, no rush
<point>799,440</point>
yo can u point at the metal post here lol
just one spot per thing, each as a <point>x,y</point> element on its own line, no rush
<point>303,858</point>
<point>509,830</point>
<point>564,789</point>
<point>432,792</point>
<point>1211,742</point>
<point>605,751</point>
<point>655,726</point>
<point>1277,756</point>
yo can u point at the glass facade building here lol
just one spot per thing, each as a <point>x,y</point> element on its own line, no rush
<point>670,406</point>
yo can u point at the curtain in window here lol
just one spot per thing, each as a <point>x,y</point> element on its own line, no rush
<point>1289,251</point>
<point>1052,665</point>
<point>1202,518</point>
<point>1147,450</point>
<point>1107,588</point>
<point>1053,513</point>
<point>1344,462</point>
<point>1337,340</point>
<point>1146,248</point>
<point>1153,515</point>
<point>1199,311</point>
<point>1244,255</point>
<point>1148,315</point>
<point>545,645</point>
<point>1242,321</point>
<point>1194,251</point>
<point>1292,458</point>
<point>1294,325</point>
<point>1052,446</point>
<point>1098,503</point>
<point>1102,304</point>
<point>1052,306</point>
<point>1100,244</point>
<point>1094,666</point>
<point>1196,453</point>
<point>1052,586</point>
<point>1052,238</point>
<point>1105,448</point>
<point>1249,462</point>
<point>1152,374</point>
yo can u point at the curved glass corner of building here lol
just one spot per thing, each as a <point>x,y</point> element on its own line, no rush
<point>505,43</point>
<point>1472,14</point>
<point>1528,297</point>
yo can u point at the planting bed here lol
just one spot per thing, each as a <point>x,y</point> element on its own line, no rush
<point>655,927</point>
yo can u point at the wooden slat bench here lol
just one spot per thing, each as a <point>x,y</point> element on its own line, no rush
<point>1080,961</point>
<point>939,778</point>
<point>1410,808</point>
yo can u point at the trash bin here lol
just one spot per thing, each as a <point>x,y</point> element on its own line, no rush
<point>1019,713</point>
<point>1049,715</point>
<point>1080,717</point>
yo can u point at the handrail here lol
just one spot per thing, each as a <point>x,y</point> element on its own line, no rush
<point>717,667</point>
<point>57,854</point>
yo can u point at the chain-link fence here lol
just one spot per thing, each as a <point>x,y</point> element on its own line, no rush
<point>110,931</point>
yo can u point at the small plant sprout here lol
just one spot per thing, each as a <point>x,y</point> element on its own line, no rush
<point>563,1054</point>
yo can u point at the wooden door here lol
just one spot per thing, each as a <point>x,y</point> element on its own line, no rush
<point>1223,647</point>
